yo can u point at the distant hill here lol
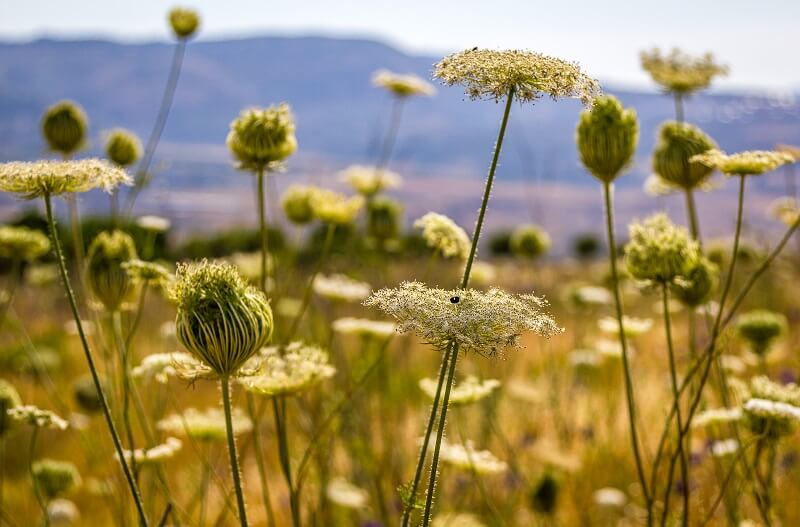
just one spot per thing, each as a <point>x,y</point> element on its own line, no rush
<point>340,115</point>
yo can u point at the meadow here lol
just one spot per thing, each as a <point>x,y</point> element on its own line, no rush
<point>330,365</point>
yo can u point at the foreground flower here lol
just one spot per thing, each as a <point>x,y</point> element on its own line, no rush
<point>491,74</point>
<point>184,22</point>
<point>443,235</point>
<point>364,327</point>
<point>341,288</point>
<point>748,163</point>
<point>123,147</point>
<point>402,85</point>
<point>23,244</point>
<point>484,322</point>
<point>345,494</point>
<point>156,454</point>
<point>673,157</point>
<point>470,390</point>
<point>466,457</point>
<point>369,181</point>
<point>680,73</point>
<point>297,369</point>
<point>221,320</point>
<point>64,127</point>
<point>262,138</point>
<point>659,250</point>
<point>31,180</point>
<point>37,417</point>
<point>206,426</point>
<point>607,136</point>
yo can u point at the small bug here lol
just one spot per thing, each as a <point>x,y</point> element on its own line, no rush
<point>454,300</point>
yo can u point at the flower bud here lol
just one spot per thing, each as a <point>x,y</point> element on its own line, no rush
<point>262,137</point>
<point>677,144</point>
<point>696,288</point>
<point>123,147</point>
<point>55,478</point>
<point>184,22</point>
<point>297,204</point>
<point>383,218</point>
<point>221,320</point>
<point>659,250</point>
<point>529,241</point>
<point>64,127</point>
<point>760,328</point>
<point>607,136</point>
<point>106,277</point>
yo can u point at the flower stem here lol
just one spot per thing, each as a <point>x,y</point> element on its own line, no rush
<point>259,455</point>
<point>691,210</point>
<point>390,138</point>
<point>124,364</point>
<point>36,490</point>
<point>679,107</point>
<point>629,395</point>
<point>237,482</point>
<point>262,226</point>
<point>283,454</point>
<point>90,360</point>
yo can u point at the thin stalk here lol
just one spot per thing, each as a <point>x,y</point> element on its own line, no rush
<point>143,173</point>
<point>629,395</point>
<point>259,455</point>
<point>691,210</point>
<point>36,491</point>
<point>137,318</point>
<point>237,482</point>
<point>262,228</point>
<point>77,238</point>
<point>284,457</point>
<point>676,398</point>
<point>453,348</point>
<point>678,107</point>
<point>734,255</point>
<point>124,364</point>
<point>391,134</point>
<point>90,361</point>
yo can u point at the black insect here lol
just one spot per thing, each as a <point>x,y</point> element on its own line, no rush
<point>454,300</point>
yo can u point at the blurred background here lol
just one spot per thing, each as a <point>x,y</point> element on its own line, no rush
<point>114,57</point>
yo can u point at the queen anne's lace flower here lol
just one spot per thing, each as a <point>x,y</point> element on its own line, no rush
<point>467,457</point>
<point>37,417</point>
<point>659,250</point>
<point>749,163</point>
<point>606,137</point>
<point>483,322</point>
<point>299,368</point>
<point>341,288</point>
<point>680,73</point>
<point>364,327</point>
<point>31,180</point>
<point>492,74</point>
<point>632,326</point>
<point>470,390</point>
<point>725,447</point>
<point>345,494</point>
<point>156,454</point>
<point>153,223</point>
<point>716,416</point>
<point>785,210</point>
<point>402,85</point>
<point>162,366</point>
<point>369,181</point>
<point>22,243</point>
<point>333,207</point>
<point>207,425</point>
<point>443,235</point>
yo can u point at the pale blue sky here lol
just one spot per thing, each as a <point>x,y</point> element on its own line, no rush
<point>758,39</point>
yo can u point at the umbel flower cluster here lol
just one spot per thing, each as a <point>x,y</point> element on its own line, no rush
<point>369,181</point>
<point>262,138</point>
<point>749,163</point>
<point>443,235</point>
<point>486,323</point>
<point>402,85</point>
<point>206,426</point>
<point>493,74</point>
<point>31,180</point>
<point>298,368</point>
<point>679,73</point>
<point>660,251</point>
<point>22,243</point>
<point>221,320</point>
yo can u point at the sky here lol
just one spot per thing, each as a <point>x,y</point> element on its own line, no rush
<point>757,39</point>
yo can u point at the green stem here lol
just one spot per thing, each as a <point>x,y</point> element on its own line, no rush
<point>90,361</point>
<point>734,255</point>
<point>259,455</point>
<point>237,482</point>
<point>262,226</point>
<point>676,398</point>
<point>77,239</point>
<point>629,395</point>
<point>678,107</point>
<point>137,318</point>
<point>391,134</point>
<point>691,210</point>
<point>284,457</point>
<point>124,363</point>
<point>36,490</point>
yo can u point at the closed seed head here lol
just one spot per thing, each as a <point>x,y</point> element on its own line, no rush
<point>607,136</point>
<point>64,126</point>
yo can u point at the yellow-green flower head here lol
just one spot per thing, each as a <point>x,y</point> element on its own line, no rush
<point>363,327</point>
<point>631,326</point>
<point>402,85</point>
<point>680,73</point>
<point>262,137</point>
<point>221,320</point>
<point>296,203</point>
<point>369,181</point>
<point>341,288</point>
<point>153,455</point>
<point>154,224</point>
<point>785,210</point>
<point>86,394</point>
<point>31,180</point>
<point>748,163</point>
<point>383,218</point>
<point>484,322</point>
<point>184,22</point>
<point>492,74</point>
<point>673,158</point>
<point>22,243</point>
<point>444,235</point>
<point>659,250</point>
<point>607,136</point>
<point>150,274</point>
<point>467,457</point>
<point>791,150</point>
<point>297,369</point>
<point>55,478</point>
<point>698,285</point>
<point>9,398</point>
<point>760,328</point>
<point>123,147</point>
<point>37,417</point>
<point>64,127</point>
<point>332,207</point>
<point>205,426</point>
<point>529,241</point>
<point>106,277</point>
<point>770,408</point>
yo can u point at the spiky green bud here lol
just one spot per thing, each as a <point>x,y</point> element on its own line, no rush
<point>760,328</point>
<point>55,478</point>
<point>123,147</point>
<point>184,22</point>
<point>297,204</point>
<point>697,287</point>
<point>9,398</point>
<point>659,250</point>
<point>106,277</point>
<point>22,243</point>
<point>672,159</point>
<point>529,241</point>
<point>221,320</point>
<point>383,218</point>
<point>64,127</point>
<point>607,136</point>
<point>262,137</point>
